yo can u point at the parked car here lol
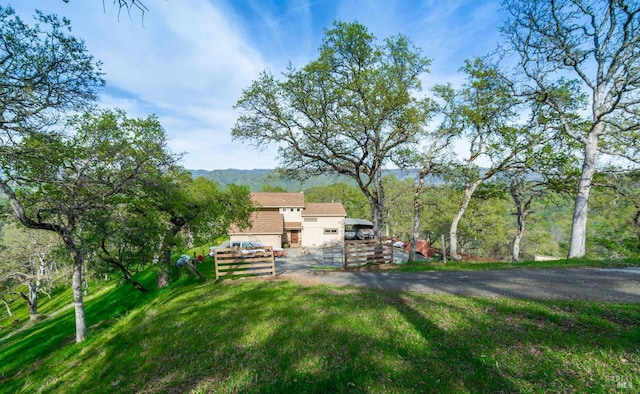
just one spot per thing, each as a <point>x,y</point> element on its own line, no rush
<point>358,229</point>
<point>212,250</point>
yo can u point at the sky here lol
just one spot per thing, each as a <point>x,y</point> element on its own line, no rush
<point>187,62</point>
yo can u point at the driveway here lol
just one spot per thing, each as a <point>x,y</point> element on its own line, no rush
<point>591,284</point>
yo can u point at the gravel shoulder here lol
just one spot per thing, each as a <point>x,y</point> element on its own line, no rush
<point>588,284</point>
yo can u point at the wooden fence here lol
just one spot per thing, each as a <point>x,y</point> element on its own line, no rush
<point>368,251</point>
<point>245,261</point>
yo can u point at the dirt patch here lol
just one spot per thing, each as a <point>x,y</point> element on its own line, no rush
<point>370,268</point>
<point>300,279</point>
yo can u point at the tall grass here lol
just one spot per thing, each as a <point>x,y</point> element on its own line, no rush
<point>273,336</point>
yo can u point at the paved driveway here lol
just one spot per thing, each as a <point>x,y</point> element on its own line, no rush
<point>594,284</point>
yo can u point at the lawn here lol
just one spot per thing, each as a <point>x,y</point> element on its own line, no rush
<point>280,336</point>
<point>436,265</point>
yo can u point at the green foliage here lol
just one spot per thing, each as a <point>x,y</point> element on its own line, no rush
<point>351,197</point>
<point>45,73</point>
<point>349,112</point>
<point>615,216</point>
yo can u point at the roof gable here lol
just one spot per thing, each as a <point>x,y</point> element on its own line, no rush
<point>262,222</point>
<point>278,200</point>
<point>324,209</point>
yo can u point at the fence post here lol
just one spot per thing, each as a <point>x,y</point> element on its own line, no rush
<point>346,256</point>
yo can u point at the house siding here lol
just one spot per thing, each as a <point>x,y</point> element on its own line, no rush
<point>314,232</point>
<point>285,217</point>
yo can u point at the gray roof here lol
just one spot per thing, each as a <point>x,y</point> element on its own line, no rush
<point>357,222</point>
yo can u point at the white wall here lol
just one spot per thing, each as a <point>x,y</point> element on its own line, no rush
<point>289,216</point>
<point>313,232</point>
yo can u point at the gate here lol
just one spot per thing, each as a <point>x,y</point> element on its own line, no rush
<point>367,251</point>
<point>245,261</point>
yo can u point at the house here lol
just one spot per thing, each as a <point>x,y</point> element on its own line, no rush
<point>285,218</point>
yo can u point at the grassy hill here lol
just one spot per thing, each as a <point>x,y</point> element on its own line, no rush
<point>282,336</point>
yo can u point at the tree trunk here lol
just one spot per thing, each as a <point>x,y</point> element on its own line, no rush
<point>174,226</point>
<point>577,246</point>
<point>6,305</point>
<point>77,287</point>
<point>417,210</point>
<point>78,301</point>
<point>453,231</point>
<point>636,223</point>
<point>33,301</point>
<point>138,286</point>
<point>163,269</point>
<point>376,212</point>
<point>516,240</point>
<point>520,216</point>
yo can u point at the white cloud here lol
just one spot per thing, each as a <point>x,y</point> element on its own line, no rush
<point>188,61</point>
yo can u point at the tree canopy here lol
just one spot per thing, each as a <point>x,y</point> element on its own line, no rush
<point>349,112</point>
<point>582,60</point>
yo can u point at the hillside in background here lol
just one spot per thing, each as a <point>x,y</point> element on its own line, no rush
<point>255,179</point>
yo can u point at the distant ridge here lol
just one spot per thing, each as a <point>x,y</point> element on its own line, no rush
<point>255,179</point>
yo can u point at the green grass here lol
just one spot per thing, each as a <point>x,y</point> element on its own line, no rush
<point>273,336</point>
<point>431,265</point>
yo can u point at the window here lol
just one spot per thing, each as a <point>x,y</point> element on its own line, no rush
<point>310,219</point>
<point>330,231</point>
<point>291,209</point>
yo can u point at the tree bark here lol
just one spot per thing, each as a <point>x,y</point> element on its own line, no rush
<point>163,269</point>
<point>636,223</point>
<point>453,231</point>
<point>376,202</point>
<point>32,301</point>
<point>6,305</point>
<point>376,212</point>
<point>577,246</point>
<point>417,210</point>
<point>76,285</point>
<point>517,239</point>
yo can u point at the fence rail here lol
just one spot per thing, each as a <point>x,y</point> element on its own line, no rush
<point>368,251</point>
<point>245,261</point>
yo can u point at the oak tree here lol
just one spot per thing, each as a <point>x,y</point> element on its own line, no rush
<point>582,59</point>
<point>350,112</point>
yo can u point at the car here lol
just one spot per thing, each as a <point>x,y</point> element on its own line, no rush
<point>212,250</point>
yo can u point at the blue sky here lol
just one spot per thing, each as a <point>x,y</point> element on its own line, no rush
<point>188,61</point>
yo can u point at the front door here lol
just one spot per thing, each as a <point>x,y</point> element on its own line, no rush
<point>294,237</point>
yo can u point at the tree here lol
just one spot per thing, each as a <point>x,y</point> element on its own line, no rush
<point>617,209</point>
<point>582,60</point>
<point>45,73</point>
<point>549,170</point>
<point>26,258</point>
<point>197,205</point>
<point>397,210</point>
<point>350,196</point>
<point>485,110</point>
<point>349,112</point>
<point>436,158</point>
<point>57,182</point>
<point>127,5</point>
<point>125,239</point>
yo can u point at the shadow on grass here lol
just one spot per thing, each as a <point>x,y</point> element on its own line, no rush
<point>276,336</point>
<point>34,344</point>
